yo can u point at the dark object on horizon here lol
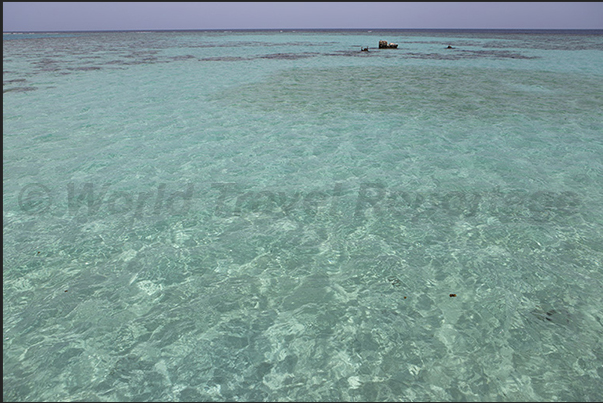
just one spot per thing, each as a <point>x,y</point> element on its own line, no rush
<point>385,45</point>
<point>449,47</point>
<point>364,49</point>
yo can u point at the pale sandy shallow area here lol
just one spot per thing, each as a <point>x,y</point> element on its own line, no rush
<point>278,216</point>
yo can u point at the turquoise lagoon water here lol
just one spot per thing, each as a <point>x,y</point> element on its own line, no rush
<point>265,215</point>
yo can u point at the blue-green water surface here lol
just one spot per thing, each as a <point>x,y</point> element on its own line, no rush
<point>277,216</point>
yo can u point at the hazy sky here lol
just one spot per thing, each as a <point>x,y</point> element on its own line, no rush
<point>84,16</point>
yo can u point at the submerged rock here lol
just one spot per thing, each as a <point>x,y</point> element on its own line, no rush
<point>548,314</point>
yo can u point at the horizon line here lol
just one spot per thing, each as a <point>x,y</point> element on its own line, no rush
<point>306,29</point>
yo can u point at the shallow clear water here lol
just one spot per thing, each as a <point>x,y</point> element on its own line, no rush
<point>279,216</point>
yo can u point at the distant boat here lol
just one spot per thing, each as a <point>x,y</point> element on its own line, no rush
<point>385,45</point>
